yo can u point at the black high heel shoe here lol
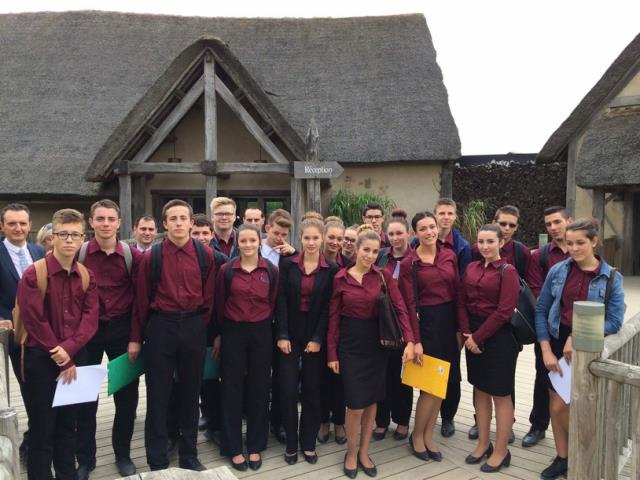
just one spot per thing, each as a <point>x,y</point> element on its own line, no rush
<point>506,461</point>
<point>369,471</point>
<point>349,472</point>
<point>377,436</point>
<point>312,459</point>
<point>291,459</point>
<point>424,456</point>
<point>471,460</point>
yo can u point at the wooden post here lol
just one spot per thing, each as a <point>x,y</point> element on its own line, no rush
<point>446,179</point>
<point>312,155</point>
<point>296,210</point>
<point>572,156</point>
<point>598,214</point>
<point>124,180</point>
<point>210,129</point>
<point>588,342</point>
<point>138,201</point>
<point>9,445</point>
<point>635,432</point>
<point>627,235</point>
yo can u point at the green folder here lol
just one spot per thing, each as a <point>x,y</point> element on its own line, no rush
<point>211,369</point>
<point>122,372</point>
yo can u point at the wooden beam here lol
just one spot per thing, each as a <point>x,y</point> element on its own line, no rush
<point>249,123</point>
<point>571,178</point>
<point>161,167</point>
<point>627,235</point>
<point>249,167</point>
<point>312,154</point>
<point>630,101</point>
<point>138,199</point>
<point>210,128</point>
<point>125,205</point>
<point>296,210</point>
<point>599,215</point>
<point>617,371</point>
<point>170,122</point>
<point>446,179</point>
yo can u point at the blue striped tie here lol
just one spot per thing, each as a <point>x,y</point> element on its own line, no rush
<point>24,261</point>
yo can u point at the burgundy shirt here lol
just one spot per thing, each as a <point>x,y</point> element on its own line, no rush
<point>576,289</point>
<point>308,281</point>
<point>248,299</point>
<point>535,273</point>
<point>180,286</point>
<point>437,282</point>
<point>68,316</point>
<point>352,299</point>
<point>507,252</point>
<point>447,242</point>
<point>486,293</point>
<point>225,247</point>
<point>390,267</point>
<point>384,240</point>
<point>116,286</point>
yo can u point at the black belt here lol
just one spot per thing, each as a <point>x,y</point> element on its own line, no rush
<point>177,315</point>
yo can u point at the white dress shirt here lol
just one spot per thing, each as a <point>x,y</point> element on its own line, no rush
<point>269,253</point>
<point>14,253</point>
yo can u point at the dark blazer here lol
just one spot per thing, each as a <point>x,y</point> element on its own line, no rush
<point>288,305</point>
<point>9,277</point>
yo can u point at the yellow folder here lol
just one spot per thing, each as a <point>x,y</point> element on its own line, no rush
<point>431,377</point>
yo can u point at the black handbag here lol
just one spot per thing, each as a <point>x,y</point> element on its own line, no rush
<point>523,321</point>
<point>388,326</point>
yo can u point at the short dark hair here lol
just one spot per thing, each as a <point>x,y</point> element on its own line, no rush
<point>492,227</point>
<point>104,203</point>
<point>280,217</point>
<point>507,210</point>
<point>176,202</point>
<point>445,201</point>
<point>253,208</point>
<point>557,209</point>
<point>201,220</point>
<point>146,218</point>
<point>421,216</point>
<point>248,226</point>
<point>372,206</point>
<point>14,207</point>
<point>588,225</point>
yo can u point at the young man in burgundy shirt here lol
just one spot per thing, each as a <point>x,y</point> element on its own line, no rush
<point>556,220</point>
<point>223,216</point>
<point>373,214</point>
<point>171,313</point>
<point>105,256</point>
<point>58,327</point>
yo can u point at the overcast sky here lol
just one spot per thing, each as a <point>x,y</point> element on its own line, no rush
<point>514,70</point>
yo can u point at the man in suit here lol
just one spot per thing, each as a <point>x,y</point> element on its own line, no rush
<point>16,254</point>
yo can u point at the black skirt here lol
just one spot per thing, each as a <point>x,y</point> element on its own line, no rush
<point>557,346</point>
<point>363,362</point>
<point>494,370</point>
<point>438,328</point>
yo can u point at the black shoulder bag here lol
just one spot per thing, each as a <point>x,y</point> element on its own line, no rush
<point>388,326</point>
<point>523,321</point>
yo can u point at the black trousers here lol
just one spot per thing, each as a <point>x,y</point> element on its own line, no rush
<point>209,406</point>
<point>290,376</point>
<point>53,430</point>
<point>332,406</point>
<point>275,412</point>
<point>14,354</point>
<point>173,342</point>
<point>111,338</point>
<point>246,348</point>
<point>398,402</point>
<point>539,416</point>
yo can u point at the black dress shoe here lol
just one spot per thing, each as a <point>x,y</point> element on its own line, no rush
<point>172,444</point>
<point>471,460</point>
<point>400,436</point>
<point>448,428</point>
<point>341,440</point>
<point>312,459</point>
<point>424,456</point>
<point>255,464</point>
<point>558,468</point>
<point>280,435</point>
<point>473,432</point>
<point>532,437</point>
<point>436,456</point>
<point>323,438</point>
<point>125,466</point>
<point>213,436</point>
<point>349,472</point>
<point>291,459</point>
<point>369,471</point>
<point>203,423</point>
<point>241,467</point>
<point>506,461</point>
<point>84,470</point>
<point>377,436</point>
<point>512,436</point>
<point>191,464</point>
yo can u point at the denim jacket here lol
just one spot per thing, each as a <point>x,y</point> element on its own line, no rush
<point>548,307</point>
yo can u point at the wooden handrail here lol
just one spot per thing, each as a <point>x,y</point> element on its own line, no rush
<point>9,456</point>
<point>616,371</point>
<point>615,342</point>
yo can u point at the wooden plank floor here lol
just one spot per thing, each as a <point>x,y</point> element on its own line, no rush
<point>393,458</point>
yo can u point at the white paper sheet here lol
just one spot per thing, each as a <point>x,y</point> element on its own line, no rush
<point>562,384</point>
<point>84,389</point>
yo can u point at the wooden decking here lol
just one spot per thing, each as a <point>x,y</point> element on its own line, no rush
<point>393,458</point>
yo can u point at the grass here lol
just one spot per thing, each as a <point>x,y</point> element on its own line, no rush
<point>472,218</point>
<point>348,205</point>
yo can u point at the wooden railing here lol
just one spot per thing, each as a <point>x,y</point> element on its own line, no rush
<point>604,429</point>
<point>9,454</point>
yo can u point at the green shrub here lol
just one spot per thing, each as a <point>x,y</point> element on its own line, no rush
<point>472,218</point>
<point>348,205</point>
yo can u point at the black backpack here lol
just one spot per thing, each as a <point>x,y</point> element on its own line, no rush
<point>518,250</point>
<point>523,321</point>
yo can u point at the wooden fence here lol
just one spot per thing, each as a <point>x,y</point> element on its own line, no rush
<point>9,454</point>
<point>604,429</point>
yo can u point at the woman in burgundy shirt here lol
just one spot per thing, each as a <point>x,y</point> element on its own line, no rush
<point>332,240</point>
<point>429,284</point>
<point>245,301</point>
<point>487,296</point>
<point>349,243</point>
<point>301,329</point>
<point>398,400</point>
<point>354,349</point>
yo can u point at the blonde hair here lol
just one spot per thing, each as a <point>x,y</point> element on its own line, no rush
<point>365,227</point>
<point>367,235</point>
<point>221,201</point>
<point>332,218</point>
<point>312,214</point>
<point>311,223</point>
<point>43,233</point>
<point>67,215</point>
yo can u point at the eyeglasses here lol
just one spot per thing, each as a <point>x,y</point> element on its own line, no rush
<point>510,225</point>
<point>66,235</point>
<point>223,214</point>
<point>349,240</point>
<point>373,217</point>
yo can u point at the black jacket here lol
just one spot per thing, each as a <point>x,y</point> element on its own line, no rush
<point>288,305</point>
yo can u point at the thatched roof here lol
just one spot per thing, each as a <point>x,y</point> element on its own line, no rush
<point>559,140</point>
<point>70,79</point>
<point>610,153</point>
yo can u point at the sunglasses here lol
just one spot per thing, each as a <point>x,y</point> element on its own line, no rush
<point>507,224</point>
